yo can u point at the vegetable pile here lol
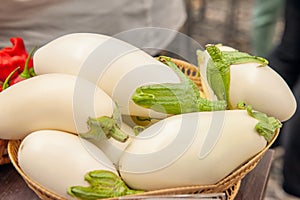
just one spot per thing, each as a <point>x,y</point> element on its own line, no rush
<point>82,116</point>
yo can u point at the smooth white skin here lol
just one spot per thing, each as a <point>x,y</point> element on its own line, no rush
<point>168,154</point>
<point>57,160</point>
<point>66,54</point>
<point>261,87</point>
<point>51,101</point>
<point>116,66</point>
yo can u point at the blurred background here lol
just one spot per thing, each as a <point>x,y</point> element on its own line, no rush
<point>228,22</point>
<point>231,22</point>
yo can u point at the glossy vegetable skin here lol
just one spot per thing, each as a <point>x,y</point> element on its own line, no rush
<point>240,77</point>
<point>190,149</point>
<point>57,160</point>
<point>116,66</point>
<point>56,101</point>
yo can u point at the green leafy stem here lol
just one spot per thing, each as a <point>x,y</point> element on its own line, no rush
<point>218,69</point>
<point>266,126</point>
<point>102,184</point>
<point>174,98</point>
<point>105,126</point>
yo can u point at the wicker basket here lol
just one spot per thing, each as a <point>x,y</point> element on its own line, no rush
<point>4,159</point>
<point>229,185</point>
<point>230,191</point>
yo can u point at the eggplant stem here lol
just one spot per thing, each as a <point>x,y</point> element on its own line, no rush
<point>103,184</point>
<point>104,126</point>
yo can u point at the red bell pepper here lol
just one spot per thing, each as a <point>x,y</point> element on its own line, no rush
<point>12,57</point>
<point>7,80</point>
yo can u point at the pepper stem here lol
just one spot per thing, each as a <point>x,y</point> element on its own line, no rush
<point>26,73</point>
<point>104,126</point>
<point>5,84</point>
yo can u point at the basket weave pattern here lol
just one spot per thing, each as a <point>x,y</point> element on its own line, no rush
<point>230,184</point>
<point>4,159</point>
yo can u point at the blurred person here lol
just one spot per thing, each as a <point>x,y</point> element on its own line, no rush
<point>40,21</point>
<point>266,14</point>
<point>285,59</point>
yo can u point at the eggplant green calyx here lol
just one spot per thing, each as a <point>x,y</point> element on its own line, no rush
<point>218,69</point>
<point>104,126</point>
<point>218,73</point>
<point>174,98</point>
<point>266,126</point>
<point>102,184</point>
<point>237,57</point>
<point>201,103</point>
<point>166,98</point>
<point>189,86</point>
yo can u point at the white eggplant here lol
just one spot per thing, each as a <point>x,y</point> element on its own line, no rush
<point>262,88</point>
<point>190,149</point>
<point>52,101</point>
<point>116,66</point>
<point>254,83</point>
<point>57,160</point>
